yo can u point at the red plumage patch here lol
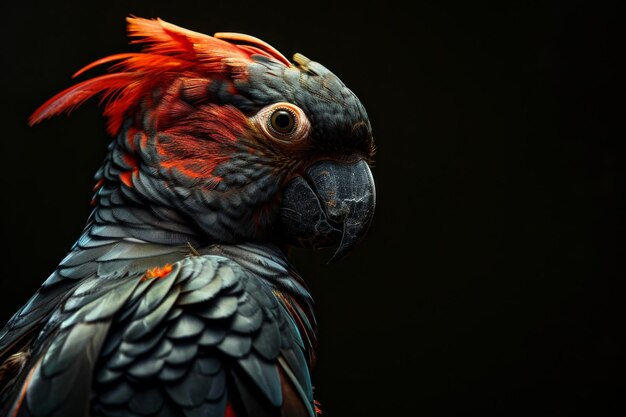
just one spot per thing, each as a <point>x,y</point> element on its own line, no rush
<point>318,410</point>
<point>180,148</point>
<point>157,272</point>
<point>230,412</point>
<point>168,52</point>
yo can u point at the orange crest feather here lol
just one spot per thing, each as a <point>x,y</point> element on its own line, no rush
<point>167,50</point>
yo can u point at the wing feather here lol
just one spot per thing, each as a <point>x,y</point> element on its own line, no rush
<point>207,334</point>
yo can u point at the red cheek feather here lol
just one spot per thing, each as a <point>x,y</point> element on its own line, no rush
<point>126,178</point>
<point>143,142</point>
<point>130,161</point>
<point>194,90</point>
<point>197,143</point>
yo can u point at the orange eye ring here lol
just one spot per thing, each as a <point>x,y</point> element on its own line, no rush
<point>284,122</point>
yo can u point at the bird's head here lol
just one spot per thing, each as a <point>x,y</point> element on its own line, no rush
<point>226,131</point>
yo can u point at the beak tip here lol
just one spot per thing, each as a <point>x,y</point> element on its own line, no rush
<point>349,239</point>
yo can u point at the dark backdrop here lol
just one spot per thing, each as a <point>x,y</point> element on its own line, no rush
<point>490,280</point>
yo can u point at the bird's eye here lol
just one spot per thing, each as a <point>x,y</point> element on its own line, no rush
<point>283,122</point>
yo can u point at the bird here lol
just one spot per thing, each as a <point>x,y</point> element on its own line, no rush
<point>179,298</point>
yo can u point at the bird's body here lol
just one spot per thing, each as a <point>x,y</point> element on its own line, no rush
<point>178,298</point>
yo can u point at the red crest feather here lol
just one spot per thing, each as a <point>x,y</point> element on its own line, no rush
<point>166,50</point>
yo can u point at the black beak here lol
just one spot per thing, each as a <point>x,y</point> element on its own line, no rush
<point>331,203</point>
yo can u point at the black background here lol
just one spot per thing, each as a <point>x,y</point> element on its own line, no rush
<point>490,282</point>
